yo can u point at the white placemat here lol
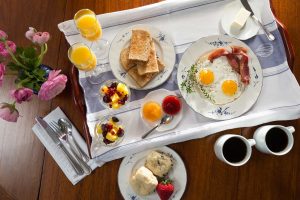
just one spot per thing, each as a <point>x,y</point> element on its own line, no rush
<point>187,21</point>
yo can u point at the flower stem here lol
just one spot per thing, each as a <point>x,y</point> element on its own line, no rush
<point>44,49</point>
<point>13,56</point>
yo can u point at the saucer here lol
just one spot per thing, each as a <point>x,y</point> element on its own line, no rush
<point>158,96</point>
<point>251,27</point>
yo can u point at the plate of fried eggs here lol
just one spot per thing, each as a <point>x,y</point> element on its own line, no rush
<point>219,77</point>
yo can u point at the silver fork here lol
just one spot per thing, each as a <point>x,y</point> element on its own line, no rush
<point>63,137</point>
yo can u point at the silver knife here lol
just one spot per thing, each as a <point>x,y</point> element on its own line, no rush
<point>246,5</point>
<point>78,169</point>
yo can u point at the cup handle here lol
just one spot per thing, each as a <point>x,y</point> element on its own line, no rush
<point>252,142</point>
<point>291,129</point>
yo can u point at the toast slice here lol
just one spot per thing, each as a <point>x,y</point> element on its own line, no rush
<point>143,80</point>
<point>140,45</point>
<point>161,65</point>
<point>151,66</point>
<point>140,80</point>
<point>125,62</point>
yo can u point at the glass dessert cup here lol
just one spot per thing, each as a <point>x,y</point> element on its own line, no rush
<point>109,132</point>
<point>113,97</point>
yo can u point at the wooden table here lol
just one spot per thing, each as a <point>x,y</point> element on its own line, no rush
<point>27,171</point>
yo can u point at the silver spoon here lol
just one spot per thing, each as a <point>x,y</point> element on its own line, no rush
<point>66,126</point>
<point>165,120</point>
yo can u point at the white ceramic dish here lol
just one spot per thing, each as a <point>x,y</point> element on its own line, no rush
<point>133,162</point>
<point>251,27</point>
<point>164,48</point>
<point>202,105</point>
<point>158,96</point>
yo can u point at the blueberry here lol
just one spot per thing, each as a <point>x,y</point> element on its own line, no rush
<point>106,99</point>
<point>115,119</point>
<point>114,85</point>
<point>120,132</point>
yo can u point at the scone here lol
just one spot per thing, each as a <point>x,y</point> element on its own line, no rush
<point>143,181</point>
<point>159,163</point>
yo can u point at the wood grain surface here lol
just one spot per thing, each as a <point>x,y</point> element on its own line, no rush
<point>27,171</point>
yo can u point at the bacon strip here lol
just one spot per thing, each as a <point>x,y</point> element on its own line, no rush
<point>244,69</point>
<point>238,50</point>
<point>217,53</point>
<point>234,62</point>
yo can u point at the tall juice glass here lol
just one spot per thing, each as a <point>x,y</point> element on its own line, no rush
<point>84,59</point>
<point>90,28</point>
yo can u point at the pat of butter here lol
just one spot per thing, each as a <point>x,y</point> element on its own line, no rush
<point>239,21</point>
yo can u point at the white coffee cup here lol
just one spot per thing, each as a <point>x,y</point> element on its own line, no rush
<point>219,148</point>
<point>260,138</point>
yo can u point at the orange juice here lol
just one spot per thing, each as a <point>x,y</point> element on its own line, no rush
<point>152,111</point>
<point>88,24</point>
<point>82,57</point>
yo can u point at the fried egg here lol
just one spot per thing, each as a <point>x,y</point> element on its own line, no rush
<point>217,81</point>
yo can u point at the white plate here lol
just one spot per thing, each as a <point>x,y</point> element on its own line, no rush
<point>205,107</point>
<point>249,30</point>
<point>133,162</point>
<point>158,96</point>
<point>164,49</point>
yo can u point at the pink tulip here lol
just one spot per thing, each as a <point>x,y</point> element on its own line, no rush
<point>30,33</point>
<point>55,84</point>
<point>21,94</point>
<point>9,112</point>
<point>40,38</point>
<point>2,71</point>
<point>3,35</point>
<point>4,52</point>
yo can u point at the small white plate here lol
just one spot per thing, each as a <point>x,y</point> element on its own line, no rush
<point>249,30</point>
<point>158,96</point>
<point>204,106</point>
<point>164,50</point>
<point>130,163</point>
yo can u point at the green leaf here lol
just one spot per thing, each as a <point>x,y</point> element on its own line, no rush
<point>29,52</point>
<point>12,66</point>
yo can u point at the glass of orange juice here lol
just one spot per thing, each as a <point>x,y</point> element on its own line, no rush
<point>90,28</point>
<point>85,59</point>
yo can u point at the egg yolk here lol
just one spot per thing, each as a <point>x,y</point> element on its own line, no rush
<point>229,87</point>
<point>152,111</point>
<point>206,77</point>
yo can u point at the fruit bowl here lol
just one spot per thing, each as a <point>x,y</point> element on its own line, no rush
<point>114,94</point>
<point>109,131</point>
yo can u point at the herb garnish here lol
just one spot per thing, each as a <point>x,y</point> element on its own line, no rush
<point>189,83</point>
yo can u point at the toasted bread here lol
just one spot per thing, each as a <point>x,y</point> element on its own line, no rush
<point>161,65</point>
<point>151,66</point>
<point>140,45</point>
<point>125,62</point>
<point>140,80</point>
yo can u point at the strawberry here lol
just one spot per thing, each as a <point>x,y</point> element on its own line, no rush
<point>165,189</point>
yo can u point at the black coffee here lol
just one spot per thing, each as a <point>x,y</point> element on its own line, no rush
<point>276,140</point>
<point>234,150</point>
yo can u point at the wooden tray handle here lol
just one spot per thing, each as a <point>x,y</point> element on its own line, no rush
<point>290,53</point>
<point>80,103</point>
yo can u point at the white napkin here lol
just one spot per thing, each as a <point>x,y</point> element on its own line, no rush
<point>57,153</point>
<point>187,21</point>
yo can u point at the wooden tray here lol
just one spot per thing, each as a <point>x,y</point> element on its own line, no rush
<point>80,102</point>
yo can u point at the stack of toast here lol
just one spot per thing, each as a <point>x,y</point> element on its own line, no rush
<point>140,59</point>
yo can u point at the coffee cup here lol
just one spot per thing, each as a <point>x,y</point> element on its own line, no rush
<point>234,150</point>
<point>274,139</point>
